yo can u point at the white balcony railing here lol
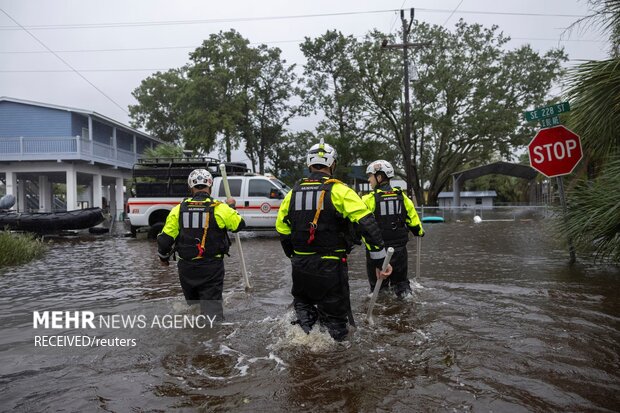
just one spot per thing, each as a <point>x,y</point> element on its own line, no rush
<point>63,148</point>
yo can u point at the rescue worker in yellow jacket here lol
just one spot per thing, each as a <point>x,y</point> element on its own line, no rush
<point>396,216</point>
<point>314,222</point>
<point>197,230</point>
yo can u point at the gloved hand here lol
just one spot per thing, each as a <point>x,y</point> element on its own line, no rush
<point>417,231</point>
<point>287,245</point>
<point>164,259</point>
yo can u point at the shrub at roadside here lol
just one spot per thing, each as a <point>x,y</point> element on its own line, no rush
<point>19,248</point>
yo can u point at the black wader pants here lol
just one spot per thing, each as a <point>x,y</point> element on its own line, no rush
<point>203,282</point>
<point>321,292</point>
<point>398,280</point>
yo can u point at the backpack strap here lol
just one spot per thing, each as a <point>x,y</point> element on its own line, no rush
<point>319,208</point>
<point>201,245</point>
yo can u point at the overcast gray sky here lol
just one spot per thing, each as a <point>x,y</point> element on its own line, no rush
<point>115,44</point>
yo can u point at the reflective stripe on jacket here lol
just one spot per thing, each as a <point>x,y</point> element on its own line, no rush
<point>411,220</point>
<point>185,227</point>
<point>391,215</point>
<point>342,204</point>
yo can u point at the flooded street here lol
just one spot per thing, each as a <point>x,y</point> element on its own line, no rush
<point>499,322</point>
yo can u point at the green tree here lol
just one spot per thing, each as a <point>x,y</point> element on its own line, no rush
<point>219,73</point>
<point>509,189</point>
<point>166,150</point>
<point>466,104</point>
<point>267,108</point>
<point>288,156</point>
<point>158,108</point>
<point>228,92</point>
<point>333,87</point>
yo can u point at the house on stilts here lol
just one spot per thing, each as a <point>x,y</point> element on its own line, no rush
<point>55,158</point>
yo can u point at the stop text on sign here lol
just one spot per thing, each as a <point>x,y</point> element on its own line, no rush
<point>551,151</point>
<point>555,151</point>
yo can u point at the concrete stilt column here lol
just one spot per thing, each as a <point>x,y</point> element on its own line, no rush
<point>71,189</point>
<point>45,196</point>
<point>119,201</point>
<point>11,183</point>
<point>97,193</point>
<point>21,195</point>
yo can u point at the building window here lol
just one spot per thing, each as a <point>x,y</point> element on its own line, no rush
<point>478,201</point>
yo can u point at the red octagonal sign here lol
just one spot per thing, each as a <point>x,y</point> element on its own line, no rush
<point>555,151</point>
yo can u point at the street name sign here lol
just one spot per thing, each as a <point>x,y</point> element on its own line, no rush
<point>546,112</point>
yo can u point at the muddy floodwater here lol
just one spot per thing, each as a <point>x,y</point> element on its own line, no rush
<point>499,322</point>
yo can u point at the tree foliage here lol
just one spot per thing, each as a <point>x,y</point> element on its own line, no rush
<point>593,220</point>
<point>229,91</point>
<point>466,104</point>
<point>595,101</point>
<point>220,73</point>
<point>268,106</point>
<point>158,108</point>
<point>288,156</point>
<point>332,84</point>
<point>166,150</point>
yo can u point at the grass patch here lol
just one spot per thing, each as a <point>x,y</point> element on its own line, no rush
<point>19,248</point>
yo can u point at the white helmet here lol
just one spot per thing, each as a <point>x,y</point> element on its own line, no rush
<point>321,154</point>
<point>200,177</point>
<point>381,166</point>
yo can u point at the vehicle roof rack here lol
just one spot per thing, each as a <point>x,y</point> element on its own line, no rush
<point>179,168</point>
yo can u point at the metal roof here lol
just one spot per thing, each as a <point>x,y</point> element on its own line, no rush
<point>502,168</point>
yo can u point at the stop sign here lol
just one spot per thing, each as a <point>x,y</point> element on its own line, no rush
<point>555,151</point>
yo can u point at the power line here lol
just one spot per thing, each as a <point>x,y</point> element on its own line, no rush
<point>83,70</point>
<point>453,11</point>
<point>285,17</point>
<point>396,17</point>
<point>500,13</point>
<point>184,22</point>
<point>64,61</point>
<point>135,49</point>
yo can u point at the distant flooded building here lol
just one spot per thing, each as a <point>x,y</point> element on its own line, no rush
<point>474,199</point>
<point>44,145</point>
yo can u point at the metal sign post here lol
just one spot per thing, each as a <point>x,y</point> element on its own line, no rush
<point>555,151</point>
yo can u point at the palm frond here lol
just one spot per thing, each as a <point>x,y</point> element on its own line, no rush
<point>595,101</point>
<point>593,218</point>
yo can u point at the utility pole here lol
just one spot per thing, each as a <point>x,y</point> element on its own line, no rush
<point>405,46</point>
